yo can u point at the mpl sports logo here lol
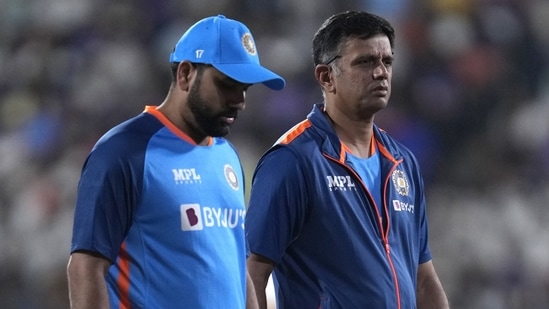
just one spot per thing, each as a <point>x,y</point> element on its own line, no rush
<point>191,176</point>
<point>340,183</point>
<point>196,218</point>
<point>186,176</point>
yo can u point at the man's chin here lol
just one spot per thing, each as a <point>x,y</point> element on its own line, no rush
<point>220,131</point>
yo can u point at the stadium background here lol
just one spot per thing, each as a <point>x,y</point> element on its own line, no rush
<point>470,97</point>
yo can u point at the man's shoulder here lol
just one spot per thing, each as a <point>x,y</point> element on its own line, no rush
<point>127,137</point>
<point>140,126</point>
<point>298,133</point>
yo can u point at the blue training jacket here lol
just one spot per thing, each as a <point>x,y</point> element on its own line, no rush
<point>310,213</point>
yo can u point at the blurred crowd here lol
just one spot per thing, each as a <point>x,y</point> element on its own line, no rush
<point>470,98</point>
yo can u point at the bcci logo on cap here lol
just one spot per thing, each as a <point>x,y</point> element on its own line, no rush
<point>248,43</point>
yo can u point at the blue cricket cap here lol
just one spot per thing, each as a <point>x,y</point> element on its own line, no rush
<point>228,46</point>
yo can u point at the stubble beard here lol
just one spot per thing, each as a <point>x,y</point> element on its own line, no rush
<point>206,120</point>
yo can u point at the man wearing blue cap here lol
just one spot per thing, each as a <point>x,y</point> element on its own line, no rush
<point>159,219</point>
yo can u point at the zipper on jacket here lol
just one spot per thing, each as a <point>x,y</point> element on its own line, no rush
<point>386,235</point>
<point>383,229</point>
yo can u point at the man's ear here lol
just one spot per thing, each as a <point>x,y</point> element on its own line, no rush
<point>185,69</point>
<point>323,74</point>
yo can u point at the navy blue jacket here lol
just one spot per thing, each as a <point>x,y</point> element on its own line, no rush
<point>311,214</point>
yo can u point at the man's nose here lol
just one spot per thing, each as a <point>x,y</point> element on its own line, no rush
<point>237,99</point>
<point>380,71</point>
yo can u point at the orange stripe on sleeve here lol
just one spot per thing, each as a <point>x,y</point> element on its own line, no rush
<point>123,280</point>
<point>294,132</point>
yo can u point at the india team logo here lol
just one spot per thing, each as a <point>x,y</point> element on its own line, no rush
<point>248,43</point>
<point>191,217</point>
<point>400,181</point>
<point>231,177</point>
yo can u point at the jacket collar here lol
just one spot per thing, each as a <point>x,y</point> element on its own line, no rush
<point>331,144</point>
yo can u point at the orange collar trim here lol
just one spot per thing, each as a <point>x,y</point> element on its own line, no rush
<point>153,110</point>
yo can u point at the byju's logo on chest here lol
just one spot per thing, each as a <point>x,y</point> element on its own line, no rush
<point>340,183</point>
<point>196,218</point>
